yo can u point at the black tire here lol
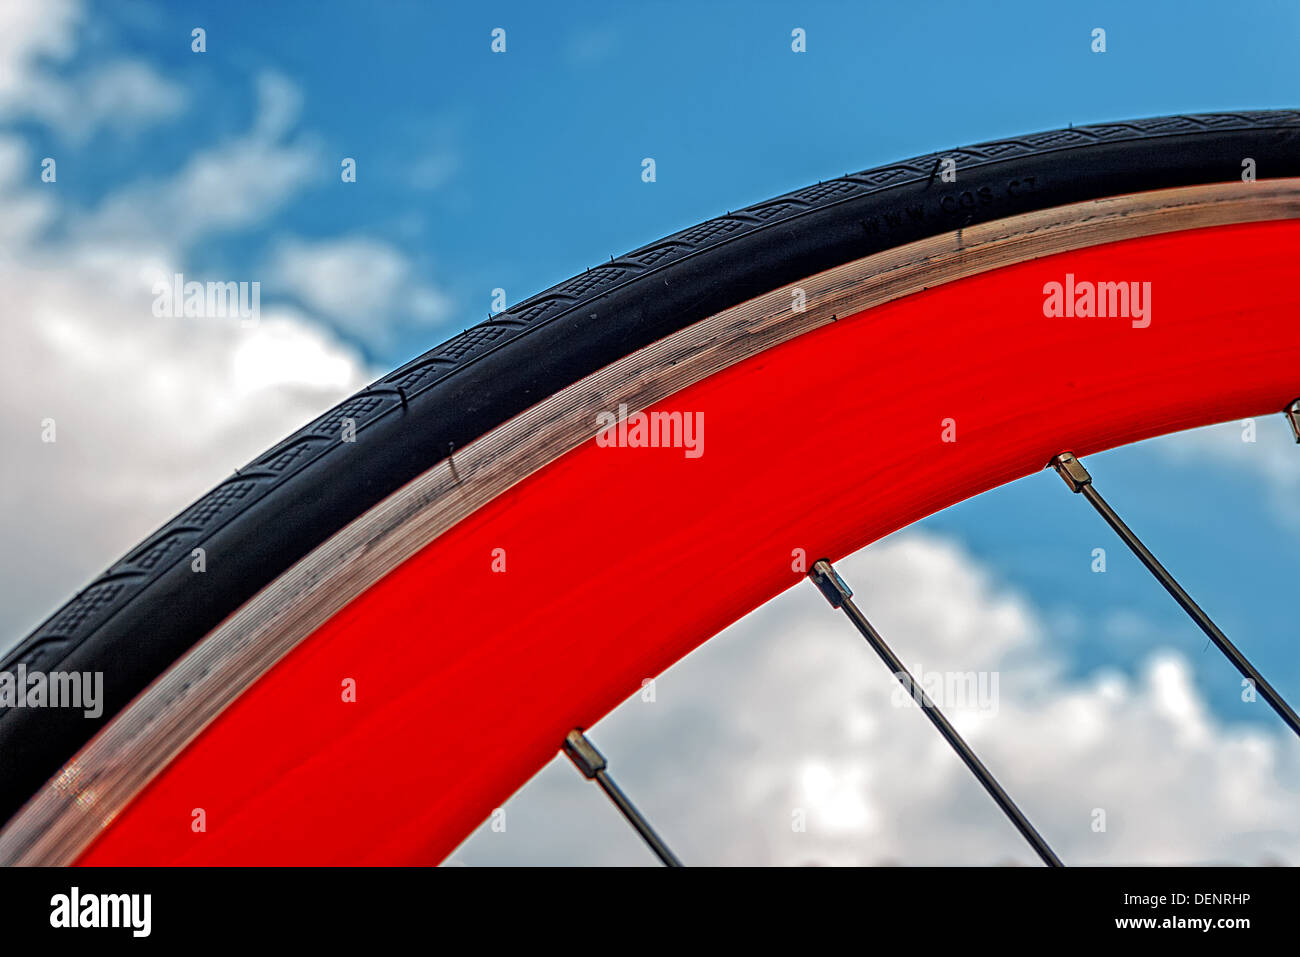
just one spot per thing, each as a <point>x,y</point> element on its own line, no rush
<point>137,618</point>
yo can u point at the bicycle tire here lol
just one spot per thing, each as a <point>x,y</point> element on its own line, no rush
<point>312,484</point>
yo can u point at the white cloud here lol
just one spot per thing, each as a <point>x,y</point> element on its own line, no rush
<point>27,212</point>
<point>365,285</point>
<point>31,35</point>
<point>230,186</point>
<point>121,95</point>
<point>279,105</point>
<point>1273,458</point>
<point>149,413</point>
<point>789,709</point>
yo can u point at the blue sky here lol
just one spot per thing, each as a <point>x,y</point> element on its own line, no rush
<point>531,172</point>
<point>517,170</point>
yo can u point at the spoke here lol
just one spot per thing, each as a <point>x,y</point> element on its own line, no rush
<point>592,765</point>
<point>840,596</point>
<point>1077,477</point>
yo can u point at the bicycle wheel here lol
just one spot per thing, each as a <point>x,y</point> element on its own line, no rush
<point>370,545</point>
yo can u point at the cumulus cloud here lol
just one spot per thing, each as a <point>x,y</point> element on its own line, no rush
<point>122,95</point>
<point>364,285</point>
<point>788,712</point>
<point>32,36</point>
<point>27,213</point>
<point>230,186</point>
<point>148,413</point>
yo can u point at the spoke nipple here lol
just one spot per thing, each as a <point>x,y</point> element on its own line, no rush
<point>1293,416</point>
<point>1072,470</point>
<point>583,753</point>
<point>827,579</point>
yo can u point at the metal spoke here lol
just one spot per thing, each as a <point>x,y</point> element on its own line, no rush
<point>840,596</point>
<point>1078,479</point>
<point>592,765</point>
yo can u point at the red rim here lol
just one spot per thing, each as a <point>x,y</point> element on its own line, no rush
<point>619,561</point>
